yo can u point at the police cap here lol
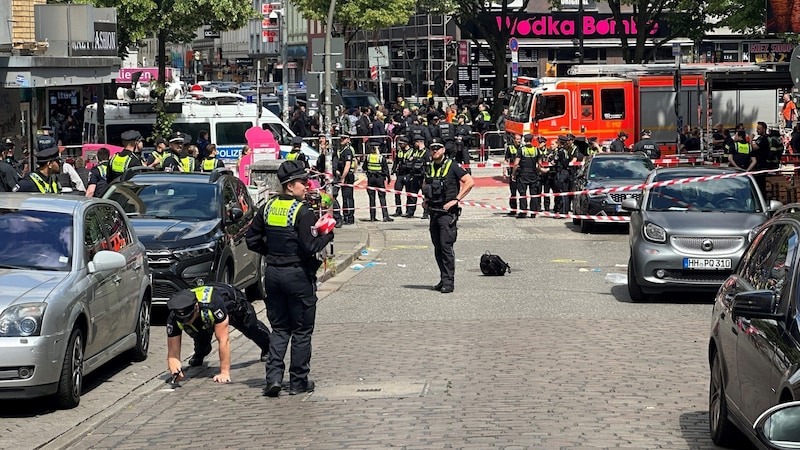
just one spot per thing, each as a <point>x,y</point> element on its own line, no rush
<point>344,135</point>
<point>419,138</point>
<point>528,138</point>
<point>435,118</point>
<point>182,303</point>
<point>292,170</point>
<point>646,132</point>
<point>402,138</point>
<point>131,136</point>
<point>622,134</point>
<point>297,140</point>
<point>159,141</point>
<point>562,138</point>
<point>9,143</point>
<point>46,128</point>
<point>542,139</point>
<point>436,143</point>
<point>570,137</point>
<point>176,137</point>
<point>47,155</point>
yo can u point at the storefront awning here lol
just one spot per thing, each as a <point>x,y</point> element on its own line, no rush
<point>50,71</point>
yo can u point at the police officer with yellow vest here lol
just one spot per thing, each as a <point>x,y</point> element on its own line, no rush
<point>207,310</point>
<point>446,184</point>
<point>296,154</point>
<point>98,176</point>
<point>285,232</point>
<point>344,173</point>
<point>418,161</point>
<point>526,174</point>
<point>210,162</point>
<point>45,178</point>
<point>377,169</point>
<point>156,158</point>
<point>742,155</point>
<point>510,160</point>
<point>127,158</point>
<point>401,169</point>
<point>171,161</point>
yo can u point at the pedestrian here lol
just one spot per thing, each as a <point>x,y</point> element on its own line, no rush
<point>98,176</point>
<point>245,151</point>
<point>8,174</point>
<point>127,158</point>
<point>45,178</point>
<point>344,177</point>
<point>205,311</point>
<point>202,144</point>
<point>285,232</point>
<point>401,169</point>
<point>618,144</point>
<point>789,111</point>
<point>418,161</point>
<point>692,143</point>
<point>742,156</point>
<point>211,161</point>
<point>69,178</point>
<point>760,146</point>
<point>296,153</point>
<point>446,184</point>
<point>510,161</point>
<point>377,169</point>
<point>526,175</point>
<point>648,146</point>
<point>501,122</point>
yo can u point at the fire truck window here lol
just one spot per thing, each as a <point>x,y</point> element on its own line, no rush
<point>555,105</point>
<point>587,104</point>
<point>613,103</point>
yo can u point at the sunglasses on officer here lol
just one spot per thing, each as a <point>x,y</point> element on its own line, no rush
<point>186,313</point>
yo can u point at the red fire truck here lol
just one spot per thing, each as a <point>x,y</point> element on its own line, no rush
<point>630,98</point>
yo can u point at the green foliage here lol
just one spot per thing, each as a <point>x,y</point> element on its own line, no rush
<point>741,16</point>
<point>360,14</point>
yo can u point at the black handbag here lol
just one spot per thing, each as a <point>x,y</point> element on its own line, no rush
<point>493,265</point>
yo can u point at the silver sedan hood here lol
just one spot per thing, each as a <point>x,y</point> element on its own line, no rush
<point>696,223</point>
<point>24,286</point>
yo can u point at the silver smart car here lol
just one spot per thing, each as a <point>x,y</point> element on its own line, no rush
<point>75,293</point>
<point>690,236</point>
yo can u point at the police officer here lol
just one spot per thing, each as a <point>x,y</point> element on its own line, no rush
<point>420,157</point>
<point>447,133</point>
<point>45,140</point>
<point>45,178</point>
<point>284,231</point>
<point>127,158</point>
<point>463,140</point>
<point>742,155</point>
<point>647,146</point>
<point>296,154</point>
<point>526,174</point>
<point>417,131</point>
<point>775,150</point>
<point>446,184</point>
<point>546,175</point>
<point>575,156</point>
<point>377,169</point>
<point>210,162</point>
<point>510,160</point>
<point>618,144</point>
<point>483,120</point>
<point>156,158</point>
<point>344,164</point>
<point>561,162</point>
<point>171,161</point>
<point>209,309</point>
<point>8,174</point>
<point>98,176</point>
<point>188,159</point>
<point>401,169</point>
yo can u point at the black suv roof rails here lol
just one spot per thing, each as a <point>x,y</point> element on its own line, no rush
<point>131,172</point>
<point>218,172</point>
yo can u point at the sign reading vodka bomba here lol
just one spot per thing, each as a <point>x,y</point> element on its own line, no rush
<point>564,25</point>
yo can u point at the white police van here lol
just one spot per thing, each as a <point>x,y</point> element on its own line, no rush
<point>226,117</point>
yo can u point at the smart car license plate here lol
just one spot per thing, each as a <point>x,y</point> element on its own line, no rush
<point>706,263</point>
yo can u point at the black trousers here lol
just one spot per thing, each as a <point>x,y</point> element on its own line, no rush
<point>444,232</point>
<point>400,183</point>
<point>414,186</point>
<point>528,184</point>
<point>348,202</point>
<point>512,187</point>
<point>291,309</point>
<point>562,185</point>
<point>462,153</point>
<point>242,316</point>
<point>378,181</point>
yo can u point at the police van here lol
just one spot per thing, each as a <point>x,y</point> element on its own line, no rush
<point>226,117</point>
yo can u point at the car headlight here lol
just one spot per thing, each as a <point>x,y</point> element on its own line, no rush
<point>22,320</point>
<point>195,251</point>
<point>654,233</point>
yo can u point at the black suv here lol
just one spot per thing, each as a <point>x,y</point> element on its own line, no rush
<point>193,226</point>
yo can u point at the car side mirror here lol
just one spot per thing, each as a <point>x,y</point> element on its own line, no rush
<point>779,426</point>
<point>775,205</point>
<point>630,204</point>
<point>759,304</point>
<point>234,214</point>
<point>106,260</point>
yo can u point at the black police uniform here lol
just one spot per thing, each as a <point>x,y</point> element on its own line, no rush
<point>647,146</point>
<point>401,168</point>
<point>120,162</point>
<point>377,170</point>
<point>419,160</point>
<point>45,141</point>
<point>99,177</point>
<point>344,154</point>
<point>442,185</point>
<point>761,152</point>
<point>8,176</point>
<point>218,301</point>
<point>447,133</point>
<point>463,139</point>
<point>512,152</point>
<point>618,145</point>
<point>283,231</point>
<point>561,161</point>
<point>171,162</point>
<point>546,179</point>
<point>528,179</point>
<point>36,181</point>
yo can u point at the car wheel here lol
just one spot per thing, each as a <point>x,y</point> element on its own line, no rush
<point>634,290</point>
<point>723,432</point>
<point>257,290</point>
<point>70,382</point>
<point>586,226</point>
<point>139,353</point>
<point>225,276</point>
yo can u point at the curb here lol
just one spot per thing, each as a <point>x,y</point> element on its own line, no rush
<point>341,263</point>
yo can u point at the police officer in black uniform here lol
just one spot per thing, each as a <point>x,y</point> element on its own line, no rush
<point>446,184</point>
<point>419,160</point>
<point>526,174</point>
<point>8,174</point>
<point>463,140</point>
<point>377,169</point>
<point>417,131</point>
<point>447,133</point>
<point>127,158</point>
<point>284,231</point>
<point>171,160</point>
<point>45,140</point>
<point>296,154</point>
<point>512,153</point>
<point>647,146</point>
<point>401,169</point>
<point>344,172</point>
<point>207,310</point>
<point>561,162</point>
<point>98,176</point>
<point>211,162</point>
<point>546,176</point>
<point>618,144</point>
<point>742,155</point>
<point>45,178</point>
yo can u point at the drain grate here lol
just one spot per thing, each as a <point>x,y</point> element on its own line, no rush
<point>369,390</point>
<point>389,389</point>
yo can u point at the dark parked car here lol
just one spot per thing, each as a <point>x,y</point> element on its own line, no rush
<point>690,236</point>
<point>754,345</point>
<point>608,170</point>
<point>193,226</point>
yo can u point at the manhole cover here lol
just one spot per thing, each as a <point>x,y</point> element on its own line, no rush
<point>369,390</point>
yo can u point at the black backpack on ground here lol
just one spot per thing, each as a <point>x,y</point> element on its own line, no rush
<point>493,265</point>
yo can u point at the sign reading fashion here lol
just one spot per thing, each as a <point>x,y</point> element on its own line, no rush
<point>104,43</point>
<point>561,25</point>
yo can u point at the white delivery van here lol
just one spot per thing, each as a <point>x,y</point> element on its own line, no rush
<point>226,116</point>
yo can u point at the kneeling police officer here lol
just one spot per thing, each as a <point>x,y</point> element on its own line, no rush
<point>208,309</point>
